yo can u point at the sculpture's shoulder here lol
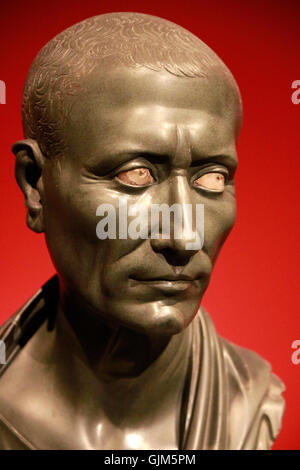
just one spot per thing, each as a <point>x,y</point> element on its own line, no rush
<point>23,324</point>
<point>15,333</point>
<point>248,405</point>
<point>254,392</point>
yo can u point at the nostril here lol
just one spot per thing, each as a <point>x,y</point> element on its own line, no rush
<point>176,258</point>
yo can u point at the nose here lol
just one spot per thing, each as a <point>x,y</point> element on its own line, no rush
<point>179,245</point>
<point>174,255</point>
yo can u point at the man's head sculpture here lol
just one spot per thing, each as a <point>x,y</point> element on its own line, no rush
<point>103,100</point>
<point>126,112</point>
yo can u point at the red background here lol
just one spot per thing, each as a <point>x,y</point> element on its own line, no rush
<point>254,295</point>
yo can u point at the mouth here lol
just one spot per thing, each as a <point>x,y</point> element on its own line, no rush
<point>169,283</point>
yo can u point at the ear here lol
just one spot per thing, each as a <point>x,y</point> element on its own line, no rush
<point>28,171</point>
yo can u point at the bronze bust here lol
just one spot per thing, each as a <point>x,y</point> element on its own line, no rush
<point>115,352</point>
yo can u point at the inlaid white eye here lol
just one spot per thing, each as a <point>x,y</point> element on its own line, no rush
<point>136,177</point>
<point>213,181</point>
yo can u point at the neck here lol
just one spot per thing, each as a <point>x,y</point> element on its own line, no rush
<point>111,351</point>
<point>117,376</point>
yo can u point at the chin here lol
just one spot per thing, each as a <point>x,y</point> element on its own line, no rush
<point>156,319</point>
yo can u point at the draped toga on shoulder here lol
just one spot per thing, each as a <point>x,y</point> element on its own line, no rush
<point>231,399</point>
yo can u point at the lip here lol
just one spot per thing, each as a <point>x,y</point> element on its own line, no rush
<point>168,277</point>
<point>169,284</point>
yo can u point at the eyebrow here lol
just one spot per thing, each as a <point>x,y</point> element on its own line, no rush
<point>111,161</point>
<point>224,159</point>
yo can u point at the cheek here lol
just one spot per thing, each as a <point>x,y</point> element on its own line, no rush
<point>219,220</point>
<point>70,229</point>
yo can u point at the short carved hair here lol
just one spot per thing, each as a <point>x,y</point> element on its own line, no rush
<point>131,39</point>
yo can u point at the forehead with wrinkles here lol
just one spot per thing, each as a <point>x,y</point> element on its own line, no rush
<point>125,110</point>
<point>128,40</point>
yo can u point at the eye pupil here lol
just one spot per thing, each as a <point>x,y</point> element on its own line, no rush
<point>211,181</point>
<point>136,177</point>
